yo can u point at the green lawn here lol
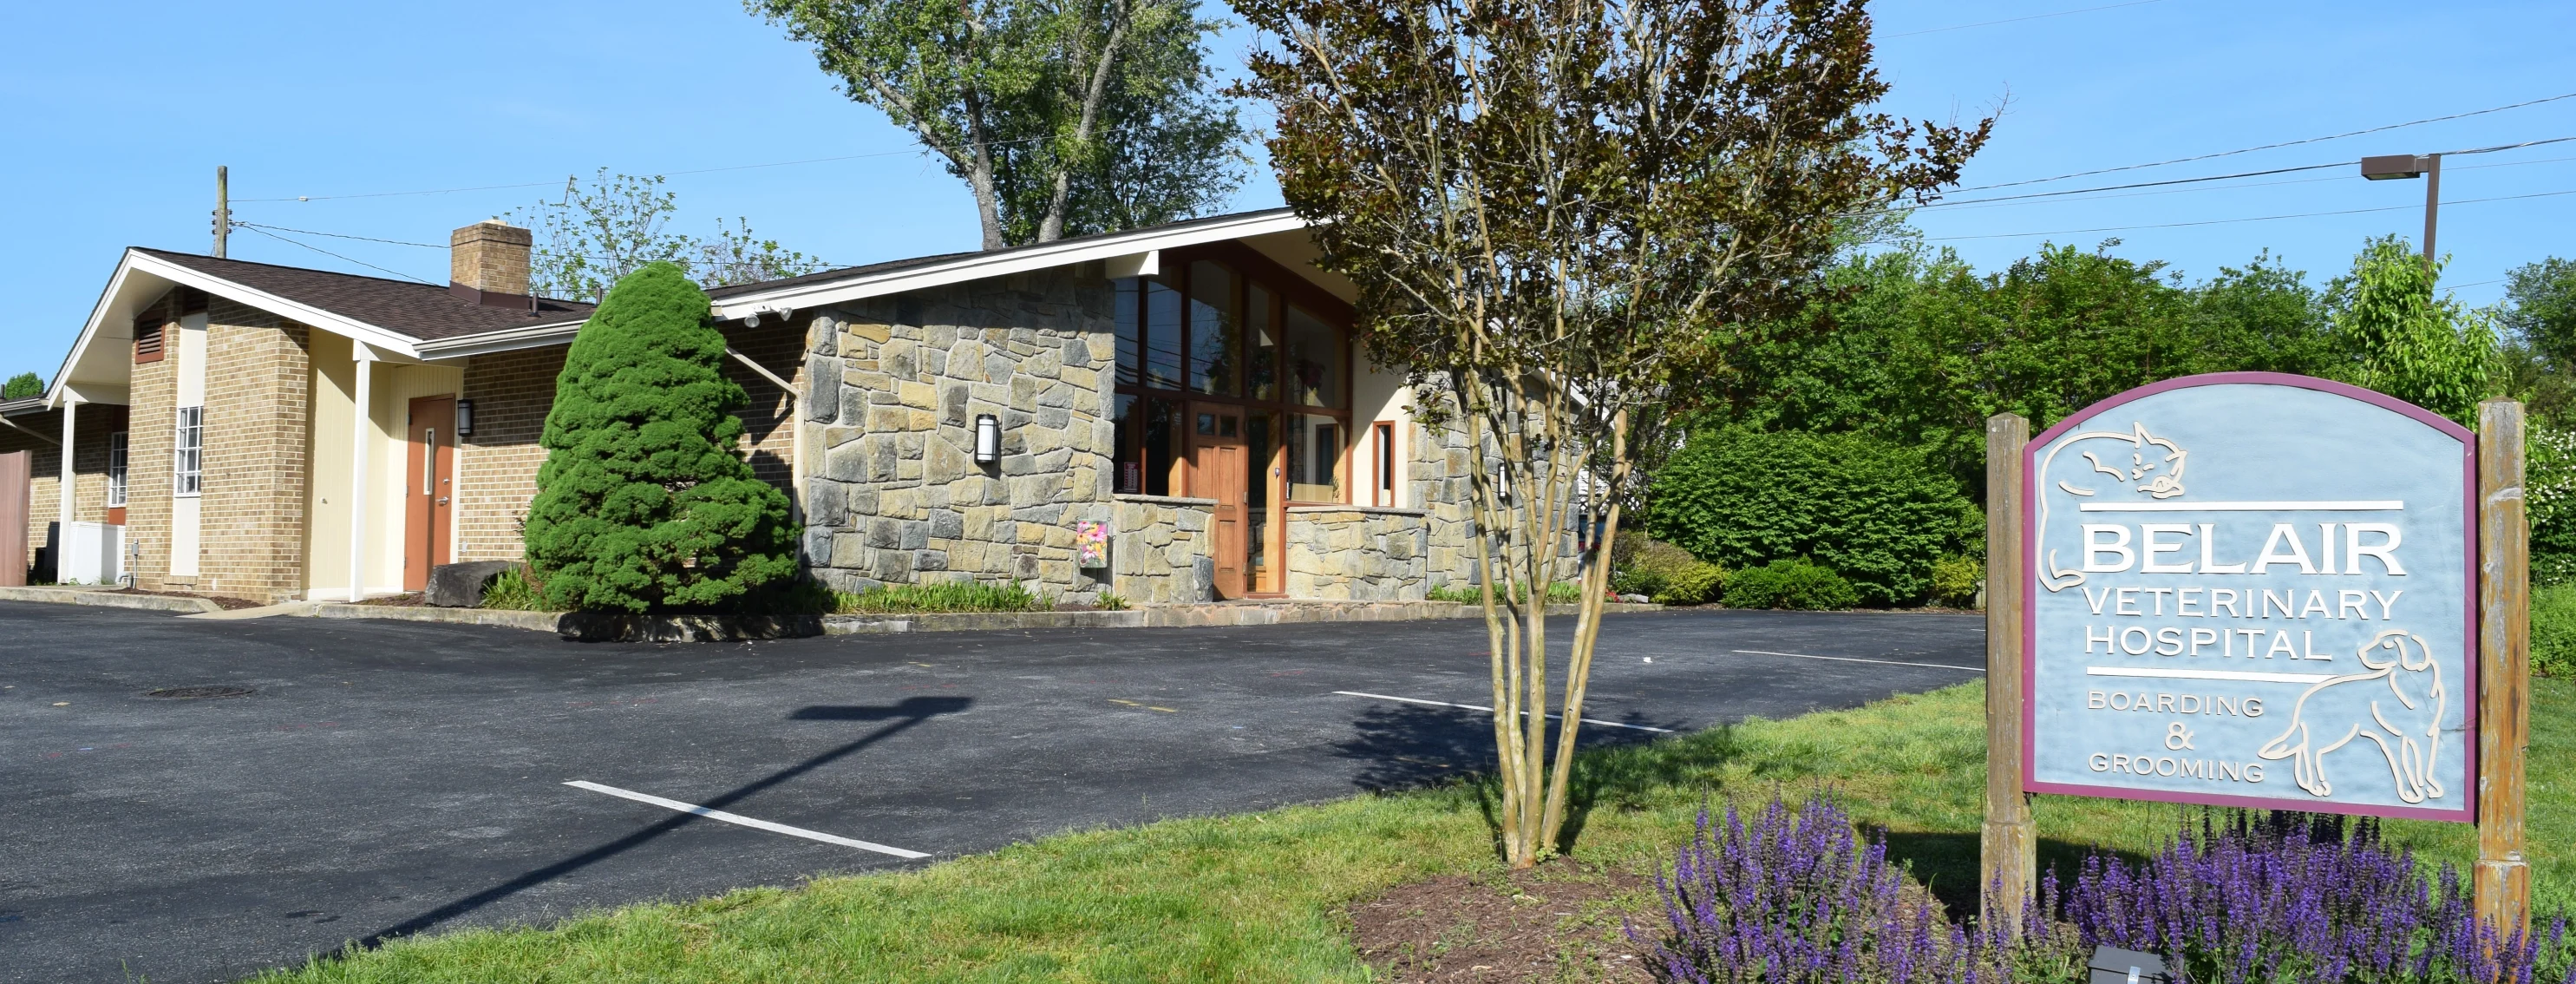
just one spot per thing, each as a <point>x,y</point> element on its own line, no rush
<point>1258,897</point>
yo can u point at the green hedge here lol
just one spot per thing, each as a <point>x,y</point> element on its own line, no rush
<point>1795,583</point>
<point>2553,630</point>
<point>1871,511</point>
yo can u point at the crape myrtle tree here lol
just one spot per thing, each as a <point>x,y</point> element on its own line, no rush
<point>644,502</point>
<point>1562,214</point>
<point>1063,117</point>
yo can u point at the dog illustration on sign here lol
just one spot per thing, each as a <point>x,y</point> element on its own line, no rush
<point>2154,469</point>
<point>2405,721</point>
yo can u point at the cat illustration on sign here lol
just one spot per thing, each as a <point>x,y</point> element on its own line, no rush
<point>2405,721</point>
<point>2153,467</point>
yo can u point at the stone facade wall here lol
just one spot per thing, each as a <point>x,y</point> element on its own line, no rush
<point>1359,553</point>
<point>497,471</point>
<point>896,495</point>
<point>1159,550</point>
<point>258,415</point>
<point>1440,481</point>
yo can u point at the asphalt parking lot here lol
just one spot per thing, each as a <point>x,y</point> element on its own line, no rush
<point>386,778</point>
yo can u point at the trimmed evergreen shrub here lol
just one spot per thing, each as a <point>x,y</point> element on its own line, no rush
<point>1874,512</point>
<point>1793,583</point>
<point>1697,584</point>
<point>644,501</point>
<point>1640,564</point>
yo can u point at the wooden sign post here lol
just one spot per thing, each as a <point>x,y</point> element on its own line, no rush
<point>2209,590</point>
<point>2502,877</point>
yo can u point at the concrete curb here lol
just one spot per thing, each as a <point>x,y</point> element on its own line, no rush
<point>1180,616</point>
<point>111,599</point>
<point>533,621</point>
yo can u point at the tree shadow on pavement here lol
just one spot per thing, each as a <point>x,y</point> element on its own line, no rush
<point>1410,746</point>
<point>902,716</point>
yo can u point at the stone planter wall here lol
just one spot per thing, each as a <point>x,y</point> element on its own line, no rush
<point>1359,553</point>
<point>1159,550</point>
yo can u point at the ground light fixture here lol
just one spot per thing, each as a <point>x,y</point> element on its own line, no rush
<point>988,439</point>
<point>2427,166</point>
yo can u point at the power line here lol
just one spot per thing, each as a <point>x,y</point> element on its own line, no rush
<point>2258,218</point>
<point>2010,200</point>
<point>817,264</point>
<point>2016,20</point>
<point>330,254</point>
<point>2241,174</point>
<point>2275,146</point>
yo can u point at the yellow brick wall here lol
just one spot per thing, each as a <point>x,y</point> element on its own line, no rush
<point>257,413</point>
<point>498,474</point>
<point>155,395</point>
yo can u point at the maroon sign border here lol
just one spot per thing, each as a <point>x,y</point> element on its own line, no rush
<point>2467,812</point>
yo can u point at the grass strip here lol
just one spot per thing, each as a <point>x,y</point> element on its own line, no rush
<point>1260,897</point>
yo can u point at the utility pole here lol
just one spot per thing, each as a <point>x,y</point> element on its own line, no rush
<point>223,209</point>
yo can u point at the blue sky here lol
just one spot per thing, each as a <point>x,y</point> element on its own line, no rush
<point>118,113</point>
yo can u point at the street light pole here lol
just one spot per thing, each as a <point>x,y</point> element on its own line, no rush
<point>2426,166</point>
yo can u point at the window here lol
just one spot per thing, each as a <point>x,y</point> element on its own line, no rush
<point>1214,338</point>
<point>1228,328</point>
<point>116,470</point>
<point>1314,458</point>
<point>1314,360</point>
<point>1383,435</point>
<point>188,461</point>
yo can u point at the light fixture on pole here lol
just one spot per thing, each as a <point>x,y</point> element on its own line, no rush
<point>2426,166</point>
<point>988,439</point>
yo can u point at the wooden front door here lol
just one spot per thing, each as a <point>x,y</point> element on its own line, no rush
<point>1217,471</point>
<point>428,496</point>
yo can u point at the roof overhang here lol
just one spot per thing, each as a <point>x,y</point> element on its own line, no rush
<point>1002,263</point>
<point>92,370</point>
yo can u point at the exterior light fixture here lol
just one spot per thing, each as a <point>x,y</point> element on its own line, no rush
<point>464,417</point>
<point>988,439</point>
<point>2426,166</point>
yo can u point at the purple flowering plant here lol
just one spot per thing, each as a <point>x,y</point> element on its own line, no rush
<point>1796,895</point>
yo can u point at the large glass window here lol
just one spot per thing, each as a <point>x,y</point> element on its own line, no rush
<point>1216,339</point>
<point>1315,357</point>
<point>188,462</point>
<point>1216,327</point>
<point>1315,458</point>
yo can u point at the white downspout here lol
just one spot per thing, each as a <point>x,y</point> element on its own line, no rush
<point>360,422</point>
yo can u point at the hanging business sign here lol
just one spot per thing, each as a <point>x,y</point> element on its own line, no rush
<point>2253,589</point>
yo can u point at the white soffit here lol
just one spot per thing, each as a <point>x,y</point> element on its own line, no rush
<point>1002,263</point>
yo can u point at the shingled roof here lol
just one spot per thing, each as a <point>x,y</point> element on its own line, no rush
<point>419,310</point>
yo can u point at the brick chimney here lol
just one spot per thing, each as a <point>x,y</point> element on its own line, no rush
<point>487,264</point>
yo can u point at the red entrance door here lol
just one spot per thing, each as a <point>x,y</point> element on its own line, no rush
<point>428,496</point>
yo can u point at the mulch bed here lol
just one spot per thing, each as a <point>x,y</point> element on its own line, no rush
<point>1560,922</point>
<point>416,599</point>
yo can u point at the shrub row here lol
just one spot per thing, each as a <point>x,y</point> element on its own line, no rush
<point>1874,513</point>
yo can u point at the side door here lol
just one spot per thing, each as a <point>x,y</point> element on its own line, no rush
<point>429,493</point>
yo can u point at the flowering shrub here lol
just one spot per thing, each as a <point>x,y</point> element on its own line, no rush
<point>2298,897</point>
<point>1796,897</point>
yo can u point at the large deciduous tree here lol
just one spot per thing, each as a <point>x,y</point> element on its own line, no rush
<point>594,235</point>
<point>1063,117</point>
<point>1558,215</point>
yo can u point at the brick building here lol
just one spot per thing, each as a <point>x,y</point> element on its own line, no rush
<point>1187,396</point>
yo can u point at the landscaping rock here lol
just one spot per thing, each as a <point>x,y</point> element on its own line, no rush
<point>461,585</point>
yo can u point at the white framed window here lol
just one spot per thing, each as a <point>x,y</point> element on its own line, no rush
<point>188,463</point>
<point>116,470</point>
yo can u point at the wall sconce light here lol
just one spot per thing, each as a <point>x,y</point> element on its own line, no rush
<point>988,439</point>
<point>465,416</point>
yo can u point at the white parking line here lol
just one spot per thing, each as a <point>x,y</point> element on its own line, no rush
<point>736,818</point>
<point>1856,659</point>
<point>1488,710</point>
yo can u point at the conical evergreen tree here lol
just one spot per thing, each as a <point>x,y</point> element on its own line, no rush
<point>643,502</point>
